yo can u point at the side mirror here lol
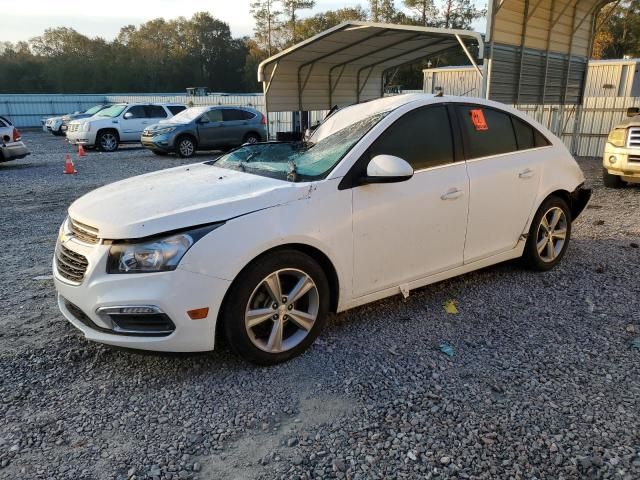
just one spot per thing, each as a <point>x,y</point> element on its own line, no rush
<point>387,169</point>
<point>633,111</point>
<point>128,115</point>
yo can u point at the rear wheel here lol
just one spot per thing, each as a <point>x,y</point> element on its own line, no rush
<point>251,138</point>
<point>108,141</point>
<point>276,307</point>
<point>186,147</point>
<point>549,235</point>
<point>611,181</point>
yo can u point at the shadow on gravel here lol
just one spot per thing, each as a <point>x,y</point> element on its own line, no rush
<point>19,166</point>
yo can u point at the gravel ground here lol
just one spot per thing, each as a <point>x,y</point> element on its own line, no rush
<point>543,383</point>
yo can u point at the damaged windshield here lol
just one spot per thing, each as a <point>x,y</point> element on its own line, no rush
<point>297,161</point>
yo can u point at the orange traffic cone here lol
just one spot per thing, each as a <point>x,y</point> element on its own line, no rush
<point>81,152</point>
<point>68,165</point>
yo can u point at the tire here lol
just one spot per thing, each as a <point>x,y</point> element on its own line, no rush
<point>612,181</point>
<point>57,133</point>
<point>541,253</point>
<point>251,138</point>
<point>160,153</point>
<point>108,141</point>
<point>276,319</point>
<point>186,147</point>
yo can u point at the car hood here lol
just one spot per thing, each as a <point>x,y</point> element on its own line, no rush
<point>630,122</point>
<point>178,198</point>
<point>75,116</point>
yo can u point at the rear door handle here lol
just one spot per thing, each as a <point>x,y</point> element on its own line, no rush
<point>452,194</point>
<point>527,173</point>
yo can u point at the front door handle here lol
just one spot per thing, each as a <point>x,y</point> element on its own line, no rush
<point>526,173</point>
<point>452,194</point>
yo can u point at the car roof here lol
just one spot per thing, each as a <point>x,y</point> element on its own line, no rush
<point>355,113</point>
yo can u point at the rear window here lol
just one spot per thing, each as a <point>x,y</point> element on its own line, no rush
<point>174,109</point>
<point>156,111</point>
<point>527,136</point>
<point>246,115</point>
<point>231,114</point>
<point>487,131</point>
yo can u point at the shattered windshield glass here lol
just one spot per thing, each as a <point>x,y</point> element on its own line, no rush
<point>297,161</point>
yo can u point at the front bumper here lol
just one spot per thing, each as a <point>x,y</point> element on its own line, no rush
<point>13,151</point>
<point>622,161</point>
<point>173,293</point>
<point>163,143</point>
<point>81,138</point>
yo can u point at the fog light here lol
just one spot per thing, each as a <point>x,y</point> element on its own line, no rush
<point>612,159</point>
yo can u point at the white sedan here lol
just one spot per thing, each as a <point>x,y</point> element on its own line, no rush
<point>263,243</point>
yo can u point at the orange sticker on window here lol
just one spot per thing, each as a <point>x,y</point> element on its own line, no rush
<point>477,117</point>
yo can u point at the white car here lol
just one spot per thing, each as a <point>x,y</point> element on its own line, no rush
<point>119,123</point>
<point>262,243</point>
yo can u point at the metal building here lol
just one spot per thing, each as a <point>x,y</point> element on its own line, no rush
<point>605,78</point>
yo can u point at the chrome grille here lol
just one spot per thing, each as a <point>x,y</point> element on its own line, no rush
<point>83,232</point>
<point>634,137</point>
<point>634,158</point>
<point>70,265</point>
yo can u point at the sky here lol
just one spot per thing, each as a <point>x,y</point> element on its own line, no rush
<point>22,20</point>
<point>28,18</point>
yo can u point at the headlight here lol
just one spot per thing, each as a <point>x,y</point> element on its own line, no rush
<point>162,131</point>
<point>86,126</point>
<point>158,254</point>
<point>618,137</point>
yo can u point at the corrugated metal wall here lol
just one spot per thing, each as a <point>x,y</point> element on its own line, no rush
<point>597,115</point>
<point>28,110</point>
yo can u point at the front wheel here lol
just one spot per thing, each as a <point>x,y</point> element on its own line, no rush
<point>108,141</point>
<point>186,147</point>
<point>611,181</point>
<point>276,308</point>
<point>549,235</point>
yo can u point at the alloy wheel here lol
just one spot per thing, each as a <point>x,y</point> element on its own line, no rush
<point>282,310</point>
<point>186,148</point>
<point>251,139</point>
<point>108,142</point>
<point>551,234</point>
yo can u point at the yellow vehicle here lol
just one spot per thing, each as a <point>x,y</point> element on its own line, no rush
<point>621,159</point>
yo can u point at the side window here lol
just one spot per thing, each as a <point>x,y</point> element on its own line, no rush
<point>231,114</point>
<point>422,137</point>
<point>214,115</point>
<point>2,124</point>
<point>487,131</point>
<point>156,111</point>
<point>137,111</point>
<point>175,109</point>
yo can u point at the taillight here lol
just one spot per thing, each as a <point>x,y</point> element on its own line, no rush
<point>16,135</point>
<point>264,120</point>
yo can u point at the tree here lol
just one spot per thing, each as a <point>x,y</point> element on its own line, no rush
<point>291,9</point>
<point>424,10</point>
<point>382,10</point>
<point>267,21</point>
<point>322,21</point>
<point>459,14</point>
<point>619,34</point>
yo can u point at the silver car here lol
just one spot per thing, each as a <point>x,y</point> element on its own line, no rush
<point>11,145</point>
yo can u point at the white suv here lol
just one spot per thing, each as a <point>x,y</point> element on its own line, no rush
<point>120,123</point>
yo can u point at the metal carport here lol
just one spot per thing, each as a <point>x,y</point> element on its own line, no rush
<point>346,64</point>
<point>538,50</point>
